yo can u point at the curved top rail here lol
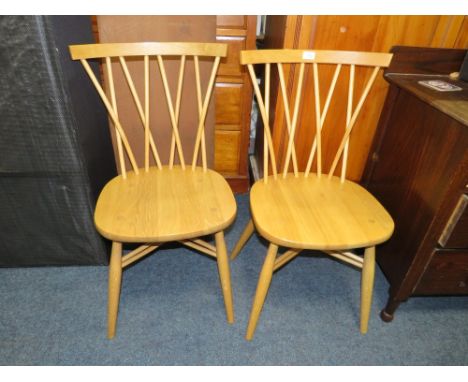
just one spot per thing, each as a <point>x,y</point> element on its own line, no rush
<point>147,49</point>
<point>285,56</point>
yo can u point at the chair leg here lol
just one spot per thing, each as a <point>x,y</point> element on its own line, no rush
<point>115,278</point>
<point>246,233</point>
<point>367,285</point>
<point>262,289</point>
<point>224,275</point>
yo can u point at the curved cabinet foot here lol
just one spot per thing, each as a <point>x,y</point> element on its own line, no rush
<point>386,317</point>
<point>388,312</point>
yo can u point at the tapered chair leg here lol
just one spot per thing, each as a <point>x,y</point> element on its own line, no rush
<point>367,285</point>
<point>115,279</point>
<point>262,289</point>
<point>246,233</point>
<point>224,275</point>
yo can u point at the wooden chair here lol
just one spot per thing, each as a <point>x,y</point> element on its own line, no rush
<point>314,210</point>
<point>153,205</point>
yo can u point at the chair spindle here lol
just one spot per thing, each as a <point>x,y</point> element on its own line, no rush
<point>261,106</point>
<point>110,77</point>
<point>349,111</point>
<point>180,82</point>
<point>353,120</point>
<point>287,113</point>
<point>111,112</point>
<point>324,113</point>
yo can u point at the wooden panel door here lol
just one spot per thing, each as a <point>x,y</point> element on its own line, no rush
<point>362,33</point>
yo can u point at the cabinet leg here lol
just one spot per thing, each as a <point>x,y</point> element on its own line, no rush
<point>387,313</point>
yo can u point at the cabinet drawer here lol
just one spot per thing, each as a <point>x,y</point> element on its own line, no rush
<point>228,97</point>
<point>231,21</point>
<point>227,145</point>
<point>447,273</point>
<point>455,233</point>
<point>230,65</point>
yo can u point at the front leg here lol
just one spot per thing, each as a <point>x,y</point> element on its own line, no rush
<point>367,286</point>
<point>115,280</point>
<point>262,289</point>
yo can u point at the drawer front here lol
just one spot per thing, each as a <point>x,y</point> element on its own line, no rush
<point>227,145</point>
<point>455,233</point>
<point>447,273</point>
<point>228,98</point>
<point>231,21</point>
<point>230,65</point>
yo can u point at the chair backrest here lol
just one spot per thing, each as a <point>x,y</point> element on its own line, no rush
<point>320,105</point>
<point>146,51</point>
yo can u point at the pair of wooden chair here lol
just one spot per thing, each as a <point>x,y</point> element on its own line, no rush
<point>182,202</point>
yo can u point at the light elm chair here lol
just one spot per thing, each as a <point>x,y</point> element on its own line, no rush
<point>153,205</point>
<point>313,209</point>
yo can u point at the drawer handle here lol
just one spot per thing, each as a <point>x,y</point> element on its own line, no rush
<point>452,222</point>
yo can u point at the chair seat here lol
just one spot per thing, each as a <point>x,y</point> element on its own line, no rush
<point>318,213</point>
<point>164,205</point>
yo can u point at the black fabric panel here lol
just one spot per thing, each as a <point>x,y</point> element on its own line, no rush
<point>32,118</point>
<point>55,148</point>
<point>88,110</point>
<point>43,222</point>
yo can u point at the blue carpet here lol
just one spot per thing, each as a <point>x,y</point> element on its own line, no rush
<point>172,313</point>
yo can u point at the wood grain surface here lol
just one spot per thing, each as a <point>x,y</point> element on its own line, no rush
<point>164,205</point>
<point>318,213</point>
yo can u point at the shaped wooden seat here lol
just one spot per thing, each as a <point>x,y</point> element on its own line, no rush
<point>164,205</point>
<point>301,209</point>
<point>311,213</point>
<point>157,203</point>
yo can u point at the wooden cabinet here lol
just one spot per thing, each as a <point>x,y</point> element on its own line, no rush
<point>418,170</point>
<point>233,96</point>
<point>361,33</point>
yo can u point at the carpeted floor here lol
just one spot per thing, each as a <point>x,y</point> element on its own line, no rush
<point>172,313</point>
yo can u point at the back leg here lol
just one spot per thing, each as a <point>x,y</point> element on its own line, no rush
<point>248,231</point>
